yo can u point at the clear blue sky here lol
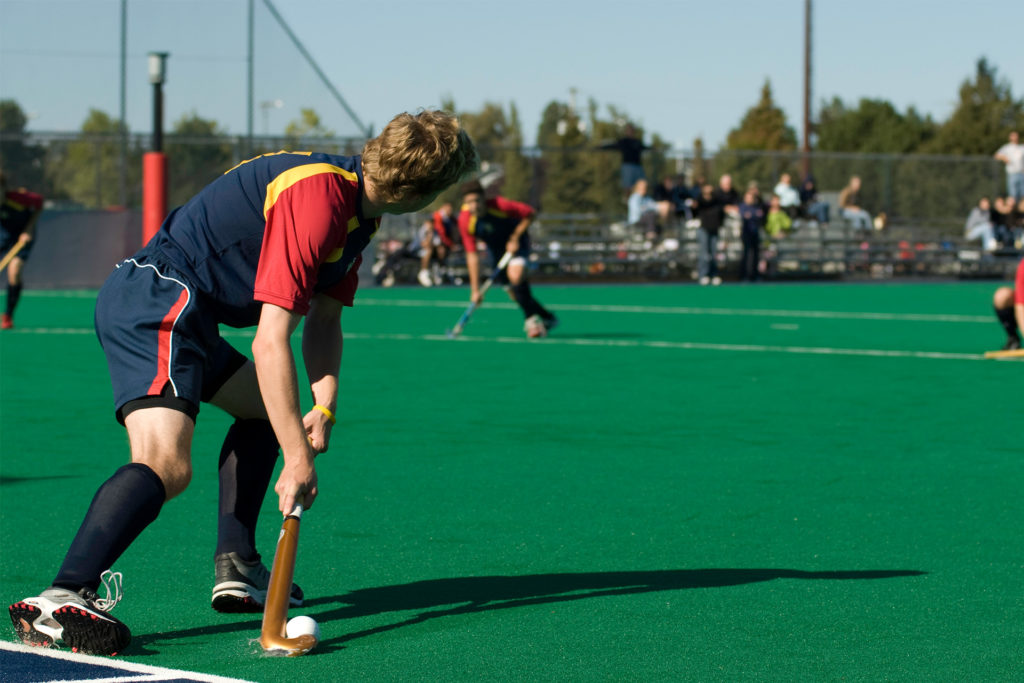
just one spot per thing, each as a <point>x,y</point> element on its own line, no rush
<point>682,69</point>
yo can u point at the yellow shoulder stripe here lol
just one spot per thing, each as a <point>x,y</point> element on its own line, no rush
<point>294,175</point>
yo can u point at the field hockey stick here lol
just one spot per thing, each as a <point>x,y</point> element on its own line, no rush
<point>1011,353</point>
<point>9,256</point>
<point>455,331</point>
<point>273,638</point>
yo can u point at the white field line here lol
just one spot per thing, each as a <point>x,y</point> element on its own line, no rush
<point>621,343</point>
<point>690,310</point>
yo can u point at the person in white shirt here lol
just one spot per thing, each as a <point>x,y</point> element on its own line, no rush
<point>789,197</point>
<point>1012,154</point>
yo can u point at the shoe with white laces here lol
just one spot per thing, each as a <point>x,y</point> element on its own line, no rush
<point>534,327</point>
<point>241,586</point>
<point>424,278</point>
<point>715,281</point>
<point>77,620</point>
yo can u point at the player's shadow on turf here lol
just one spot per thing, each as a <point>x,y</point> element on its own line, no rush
<point>480,594</point>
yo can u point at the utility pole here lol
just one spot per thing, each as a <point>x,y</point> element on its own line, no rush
<point>805,156</point>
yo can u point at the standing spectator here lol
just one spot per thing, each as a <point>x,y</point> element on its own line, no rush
<point>631,148</point>
<point>752,216</point>
<point>849,205</point>
<point>709,209</point>
<point>789,197</point>
<point>979,225</point>
<point>1012,154</point>
<point>19,212</point>
<point>812,206</point>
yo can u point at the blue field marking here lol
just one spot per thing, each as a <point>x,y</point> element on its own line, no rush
<point>23,664</point>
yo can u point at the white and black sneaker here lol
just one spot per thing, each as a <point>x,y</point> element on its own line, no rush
<point>77,620</point>
<point>241,586</point>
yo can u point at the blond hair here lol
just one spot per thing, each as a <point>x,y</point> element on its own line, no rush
<point>418,155</point>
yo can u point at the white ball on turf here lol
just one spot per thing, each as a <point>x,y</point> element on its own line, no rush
<point>302,626</point>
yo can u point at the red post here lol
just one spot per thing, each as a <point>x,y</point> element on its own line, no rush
<point>154,193</point>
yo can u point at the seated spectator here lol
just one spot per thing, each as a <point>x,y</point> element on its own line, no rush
<point>778,224</point>
<point>811,206</point>
<point>849,205</point>
<point>674,197</point>
<point>789,197</point>
<point>1002,220</point>
<point>645,213</point>
<point>436,244</point>
<point>979,225</point>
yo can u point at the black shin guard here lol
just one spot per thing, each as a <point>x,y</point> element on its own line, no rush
<point>1008,320</point>
<point>247,462</point>
<point>523,295</point>
<point>13,294</point>
<point>123,506</point>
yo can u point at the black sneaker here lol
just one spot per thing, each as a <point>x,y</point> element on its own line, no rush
<point>1012,344</point>
<point>77,620</point>
<point>241,586</point>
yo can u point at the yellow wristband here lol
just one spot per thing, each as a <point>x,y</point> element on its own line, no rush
<point>328,413</point>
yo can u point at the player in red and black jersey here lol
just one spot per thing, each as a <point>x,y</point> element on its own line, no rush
<point>1008,303</point>
<point>273,242</point>
<point>437,241</point>
<point>501,224</point>
<point>19,213</point>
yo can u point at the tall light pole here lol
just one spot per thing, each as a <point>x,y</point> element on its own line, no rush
<point>266,106</point>
<point>154,163</point>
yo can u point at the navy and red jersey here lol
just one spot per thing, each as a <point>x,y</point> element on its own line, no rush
<point>495,226</point>
<point>17,210</point>
<point>275,229</point>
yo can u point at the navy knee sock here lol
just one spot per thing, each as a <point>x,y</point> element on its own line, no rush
<point>247,461</point>
<point>123,506</point>
<point>13,294</point>
<point>524,297</point>
<point>1008,320</point>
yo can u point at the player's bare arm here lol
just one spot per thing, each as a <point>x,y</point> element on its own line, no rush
<point>321,350</point>
<point>513,240</point>
<point>278,381</point>
<point>473,268</point>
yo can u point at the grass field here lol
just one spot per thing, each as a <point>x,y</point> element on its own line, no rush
<point>786,482</point>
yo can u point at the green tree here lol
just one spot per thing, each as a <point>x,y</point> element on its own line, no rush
<point>499,140</point>
<point>762,129</point>
<point>307,128</point>
<point>985,113</point>
<point>23,161</point>
<point>875,126</point>
<point>88,170</point>
<point>197,152</point>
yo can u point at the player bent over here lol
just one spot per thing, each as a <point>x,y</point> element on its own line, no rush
<point>274,240</point>
<point>19,212</point>
<point>502,225</point>
<point>1008,303</point>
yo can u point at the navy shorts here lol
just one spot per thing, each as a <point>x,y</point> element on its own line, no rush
<point>522,253</point>
<point>162,346</point>
<point>9,239</point>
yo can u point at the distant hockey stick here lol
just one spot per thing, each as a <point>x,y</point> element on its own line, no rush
<point>9,256</point>
<point>457,330</point>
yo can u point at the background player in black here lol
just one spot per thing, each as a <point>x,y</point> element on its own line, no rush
<point>19,213</point>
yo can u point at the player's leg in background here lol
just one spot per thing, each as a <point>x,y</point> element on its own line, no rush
<point>1002,303</point>
<point>247,460</point>
<point>539,320</point>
